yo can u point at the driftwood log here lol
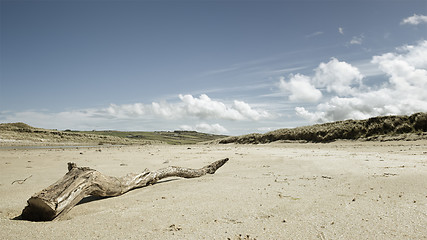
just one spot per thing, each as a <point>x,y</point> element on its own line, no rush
<point>81,182</point>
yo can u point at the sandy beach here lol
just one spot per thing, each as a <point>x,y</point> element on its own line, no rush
<point>339,190</point>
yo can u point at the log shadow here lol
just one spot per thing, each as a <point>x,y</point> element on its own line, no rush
<point>90,199</point>
<point>167,180</point>
<point>18,218</point>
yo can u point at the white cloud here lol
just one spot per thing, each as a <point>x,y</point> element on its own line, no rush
<point>414,20</point>
<point>341,30</point>
<point>404,92</point>
<point>211,128</point>
<point>414,54</point>
<point>206,128</point>
<point>340,108</point>
<point>137,115</point>
<point>245,110</point>
<point>333,77</point>
<point>406,70</point>
<point>357,40</point>
<point>312,117</point>
<point>125,110</point>
<point>300,89</point>
<point>204,107</point>
<point>165,110</point>
<point>337,77</point>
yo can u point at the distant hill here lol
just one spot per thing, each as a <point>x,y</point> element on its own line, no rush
<point>23,134</point>
<point>376,128</point>
<point>169,137</point>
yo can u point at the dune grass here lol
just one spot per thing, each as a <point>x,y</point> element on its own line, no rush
<point>376,128</point>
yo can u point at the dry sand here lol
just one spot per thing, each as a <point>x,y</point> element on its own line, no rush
<point>340,190</point>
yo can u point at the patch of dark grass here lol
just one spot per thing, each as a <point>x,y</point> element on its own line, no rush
<point>369,129</point>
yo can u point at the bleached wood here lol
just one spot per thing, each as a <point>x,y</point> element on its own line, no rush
<point>81,182</point>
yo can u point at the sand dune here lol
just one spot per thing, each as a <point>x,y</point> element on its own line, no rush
<point>381,128</point>
<point>340,190</point>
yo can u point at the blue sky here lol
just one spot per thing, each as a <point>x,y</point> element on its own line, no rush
<point>230,67</point>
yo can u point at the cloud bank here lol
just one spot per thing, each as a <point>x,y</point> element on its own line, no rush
<point>188,109</point>
<point>404,92</point>
<point>204,107</point>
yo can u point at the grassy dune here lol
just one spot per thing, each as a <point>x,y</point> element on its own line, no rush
<point>377,128</point>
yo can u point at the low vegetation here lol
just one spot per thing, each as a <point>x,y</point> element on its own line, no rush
<point>23,134</point>
<point>169,137</point>
<point>376,128</point>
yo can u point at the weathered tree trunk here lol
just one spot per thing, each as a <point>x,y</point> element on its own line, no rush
<point>81,182</point>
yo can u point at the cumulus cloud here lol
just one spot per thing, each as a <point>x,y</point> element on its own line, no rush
<point>404,92</point>
<point>341,30</point>
<point>300,89</point>
<point>414,20</point>
<point>206,128</point>
<point>338,77</point>
<point>248,112</point>
<point>204,107</point>
<point>340,108</point>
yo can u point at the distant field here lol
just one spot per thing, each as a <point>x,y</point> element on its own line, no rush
<point>175,137</point>
<point>23,134</point>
